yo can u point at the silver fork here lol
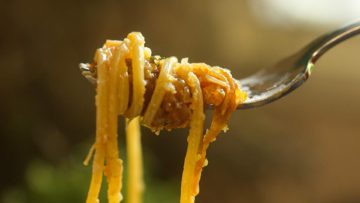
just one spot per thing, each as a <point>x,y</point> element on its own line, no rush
<point>270,84</point>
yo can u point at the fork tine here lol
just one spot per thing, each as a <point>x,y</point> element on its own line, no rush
<point>88,72</point>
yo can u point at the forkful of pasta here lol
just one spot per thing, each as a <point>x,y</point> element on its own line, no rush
<point>270,84</point>
<point>167,93</point>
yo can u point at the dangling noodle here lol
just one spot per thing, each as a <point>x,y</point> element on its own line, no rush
<point>194,141</point>
<point>160,94</point>
<point>134,156</point>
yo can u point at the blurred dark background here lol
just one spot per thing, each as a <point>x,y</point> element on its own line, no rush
<point>303,148</point>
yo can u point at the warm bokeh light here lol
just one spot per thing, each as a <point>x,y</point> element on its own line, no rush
<point>310,12</point>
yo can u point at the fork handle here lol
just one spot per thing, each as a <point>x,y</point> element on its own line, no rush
<point>322,44</point>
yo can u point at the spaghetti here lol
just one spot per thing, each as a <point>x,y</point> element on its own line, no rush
<point>160,93</point>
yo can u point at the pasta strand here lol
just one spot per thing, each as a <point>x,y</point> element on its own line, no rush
<point>113,170</point>
<point>159,92</point>
<point>137,53</point>
<point>101,125</point>
<point>194,141</point>
<point>134,156</point>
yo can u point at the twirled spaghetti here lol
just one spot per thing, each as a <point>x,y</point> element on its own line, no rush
<point>160,93</point>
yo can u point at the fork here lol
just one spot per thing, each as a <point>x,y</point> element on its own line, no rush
<point>273,83</point>
<point>270,84</point>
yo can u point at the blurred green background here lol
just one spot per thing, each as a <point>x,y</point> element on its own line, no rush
<point>300,149</point>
